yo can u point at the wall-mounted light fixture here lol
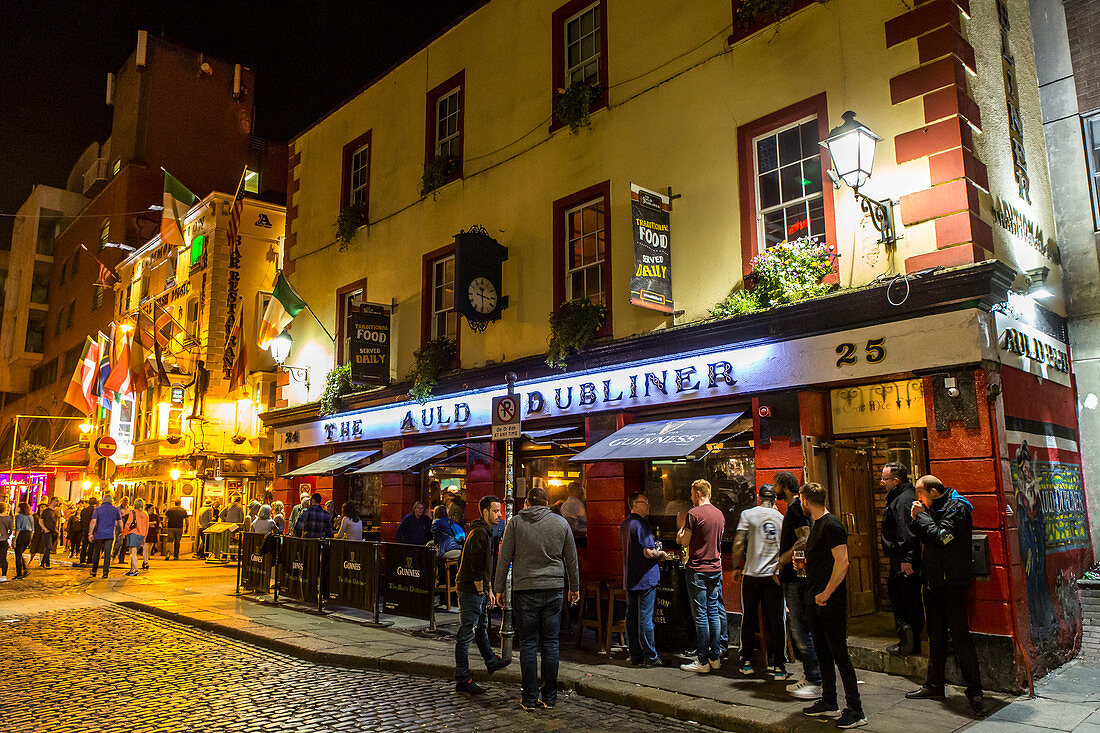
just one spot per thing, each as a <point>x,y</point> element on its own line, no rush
<point>1037,283</point>
<point>851,148</point>
<point>280,350</point>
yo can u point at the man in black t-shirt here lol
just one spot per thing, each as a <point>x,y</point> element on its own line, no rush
<point>826,601</point>
<point>175,522</point>
<point>792,539</point>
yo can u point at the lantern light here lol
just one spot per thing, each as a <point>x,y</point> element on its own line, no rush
<point>851,149</point>
<point>280,347</point>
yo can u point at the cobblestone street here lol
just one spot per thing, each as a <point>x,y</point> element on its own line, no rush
<point>109,669</point>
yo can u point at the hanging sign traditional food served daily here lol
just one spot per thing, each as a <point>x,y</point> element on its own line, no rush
<point>651,284</point>
<point>369,344</point>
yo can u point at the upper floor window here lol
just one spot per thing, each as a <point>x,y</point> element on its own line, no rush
<point>97,298</point>
<point>1092,153</point>
<point>788,183</point>
<point>64,272</point>
<point>348,300</point>
<point>582,248</point>
<point>76,263</point>
<point>356,171</point>
<point>583,47</point>
<point>69,314</point>
<point>36,332</point>
<point>105,233</point>
<point>444,317</point>
<point>252,181</point>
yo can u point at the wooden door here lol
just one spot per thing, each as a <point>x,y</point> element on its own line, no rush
<point>852,497</point>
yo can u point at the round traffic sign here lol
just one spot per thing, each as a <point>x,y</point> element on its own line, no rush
<point>106,446</point>
<point>507,409</point>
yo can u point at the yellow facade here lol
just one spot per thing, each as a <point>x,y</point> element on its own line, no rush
<point>678,94</point>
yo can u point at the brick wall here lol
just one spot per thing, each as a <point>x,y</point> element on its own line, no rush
<point>1083,24</point>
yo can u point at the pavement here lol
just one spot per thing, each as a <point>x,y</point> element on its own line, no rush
<point>1067,699</point>
<point>192,594</point>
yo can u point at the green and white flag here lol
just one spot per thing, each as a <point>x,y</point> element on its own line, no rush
<point>281,310</point>
<point>177,201</point>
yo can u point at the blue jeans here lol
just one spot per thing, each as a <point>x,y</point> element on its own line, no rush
<point>800,631</point>
<point>706,591</point>
<point>538,620</point>
<point>639,625</point>
<point>473,625</point>
<point>47,545</point>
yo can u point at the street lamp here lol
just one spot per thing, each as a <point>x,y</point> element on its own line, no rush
<point>175,474</point>
<point>280,350</point>
<point>851,148</point>
<point>1037,286</point>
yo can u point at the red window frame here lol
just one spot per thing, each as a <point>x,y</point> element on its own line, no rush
<point>561,206</point>
<point>349,151</point>
<point>740,32</point>
<point>426,298</point>
<point>558,53</point>
<point>750,229</point>
<point>341,315</point>
<point>458,81</point>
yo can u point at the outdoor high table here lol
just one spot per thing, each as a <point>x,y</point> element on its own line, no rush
<point>219,537</point>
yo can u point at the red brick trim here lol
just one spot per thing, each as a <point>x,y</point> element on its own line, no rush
<point>962,228</point>
<point>963,254</point>
<point>932,139</point>
<point>600,190</point>
<point>557,54</point>
<point>922,19</point>
<point>951,101</point>
<point>947,71</point>
<point>937,201</point>
<point>942,42</point>
<point>957,163</point>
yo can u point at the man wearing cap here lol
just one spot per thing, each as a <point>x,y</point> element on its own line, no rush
<point>757,542</point>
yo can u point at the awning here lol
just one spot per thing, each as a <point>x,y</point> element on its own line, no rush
<point>661,439</point>
<point>331,463</point>
<point>405,459</point>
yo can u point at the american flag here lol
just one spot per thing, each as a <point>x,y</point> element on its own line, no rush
<point>235,211</point>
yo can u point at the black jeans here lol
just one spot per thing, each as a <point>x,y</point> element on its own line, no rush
<point>22,542</point>
<point>829,629</point>
<point>174,536</point>
<point>905,599</point>
<point>538,620</point>
<point>4,558</point>
<point>767,594</point>
<point>946,609</point>
<point>102,549</point>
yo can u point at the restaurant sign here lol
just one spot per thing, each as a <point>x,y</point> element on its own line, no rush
<point>872,407</point>
<point>651,283</point>
<point>914,344</point>
<point>1029,349</point>
<point>369,344</point>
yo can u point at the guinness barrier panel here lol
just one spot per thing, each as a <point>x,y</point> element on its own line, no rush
<point>408,580</point>
<point>673,624</point>
<point>256,564</point>
<point>353,573</point>
<point>300,569</point>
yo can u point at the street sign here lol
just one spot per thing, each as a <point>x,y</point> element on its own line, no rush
<point>106,446</point>
<point>506,421</point>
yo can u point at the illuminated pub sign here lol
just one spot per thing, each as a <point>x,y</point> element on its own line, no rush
<point>883,406</point>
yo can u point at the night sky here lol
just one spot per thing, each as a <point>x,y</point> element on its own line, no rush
<point>307,56</point>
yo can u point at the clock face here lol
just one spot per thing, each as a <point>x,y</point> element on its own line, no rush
<point>482,295</point>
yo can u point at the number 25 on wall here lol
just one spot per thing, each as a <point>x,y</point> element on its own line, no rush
<point>875,349</point>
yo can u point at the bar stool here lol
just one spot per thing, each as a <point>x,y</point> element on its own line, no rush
<point>585,618</point>
<point>615,595</point>
<point>446,582</point>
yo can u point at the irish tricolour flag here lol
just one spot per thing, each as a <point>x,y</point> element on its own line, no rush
<point>177,200</point>
<point>281,310</point>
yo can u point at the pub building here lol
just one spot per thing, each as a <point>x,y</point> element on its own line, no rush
<point>943,346</point>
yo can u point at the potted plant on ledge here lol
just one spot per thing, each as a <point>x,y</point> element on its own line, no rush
<point>572,327</point>
<point>784,273</point>
<point>573,105</point>
<point>348,222</point>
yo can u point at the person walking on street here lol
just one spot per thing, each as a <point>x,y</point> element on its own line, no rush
<point>901,545</point>
<point>757,541</point>
<point>175,521</point>
<point>86,522</point>
<point>134,532</point>
<point>7,527</point>
<point>37,542</point>
<point>106,523</point>
<point>415,527</point>
<point>24,528</point>
<point>827,609</point>
<point>792,541</point>
<point>120,544</point>
<point>72,530</point>
<point>154,532</point>
<point>539,549</point>
<point>641,574</point>
<point>943,522</point>
<point>700,531</point>
<point>207,516</point>
<point>475,598</point>
<point>315,522</point>
<point>48,522</point>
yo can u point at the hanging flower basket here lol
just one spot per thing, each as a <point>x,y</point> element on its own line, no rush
<point>438,172</point>
<point>348,222</point>
<point>573,105</point>
<point>785,273</point>
<point>431,360</point>
<point>572,327</point>
<point>337,384</point>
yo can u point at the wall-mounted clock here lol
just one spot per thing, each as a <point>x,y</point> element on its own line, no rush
<point>478,265</point>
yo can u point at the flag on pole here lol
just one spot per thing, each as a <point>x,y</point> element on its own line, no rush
<point>79,394</point>
<point>107,276</point>
<point>144,333</point>
<point>177,200</point>
<point>162,325</point>
<point>239,371</point>
<point>139,376</point>
<point>119,378</point>
<point>106,344</point>
<point>236,209</point>
<point>162,375</point>
<point>281,310</point>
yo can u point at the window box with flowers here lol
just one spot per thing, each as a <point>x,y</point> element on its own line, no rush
<point>786,273</point>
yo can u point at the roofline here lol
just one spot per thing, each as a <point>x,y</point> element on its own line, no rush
<point>408,57</point>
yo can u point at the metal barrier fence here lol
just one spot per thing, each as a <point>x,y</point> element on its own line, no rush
<point>371,576</point>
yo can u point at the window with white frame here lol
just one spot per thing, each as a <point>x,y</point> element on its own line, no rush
<point>584,252</point>
<point>1092,153</point>
<point>359,175</point>
<point>444,316</point>
<point>582,46</point>
<point>789,199</point>
<point>349,303</point>
<point>447,127</point>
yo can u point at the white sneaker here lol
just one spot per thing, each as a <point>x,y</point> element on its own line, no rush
<point>3,579</point>
<point>807,692</point>
<point>796,684</point>
<point>715,664</point>
<point>696,667</point>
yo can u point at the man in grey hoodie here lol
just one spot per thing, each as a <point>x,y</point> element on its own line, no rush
<point>538,547</point>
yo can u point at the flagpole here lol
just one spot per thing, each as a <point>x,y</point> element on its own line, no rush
<point>331,337</point>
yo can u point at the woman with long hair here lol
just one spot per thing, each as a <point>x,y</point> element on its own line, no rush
<point>24,528</point>
<point>7,525</point>
<point>120,538</point>
<point>135,527</point>
<point>351,525</point>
